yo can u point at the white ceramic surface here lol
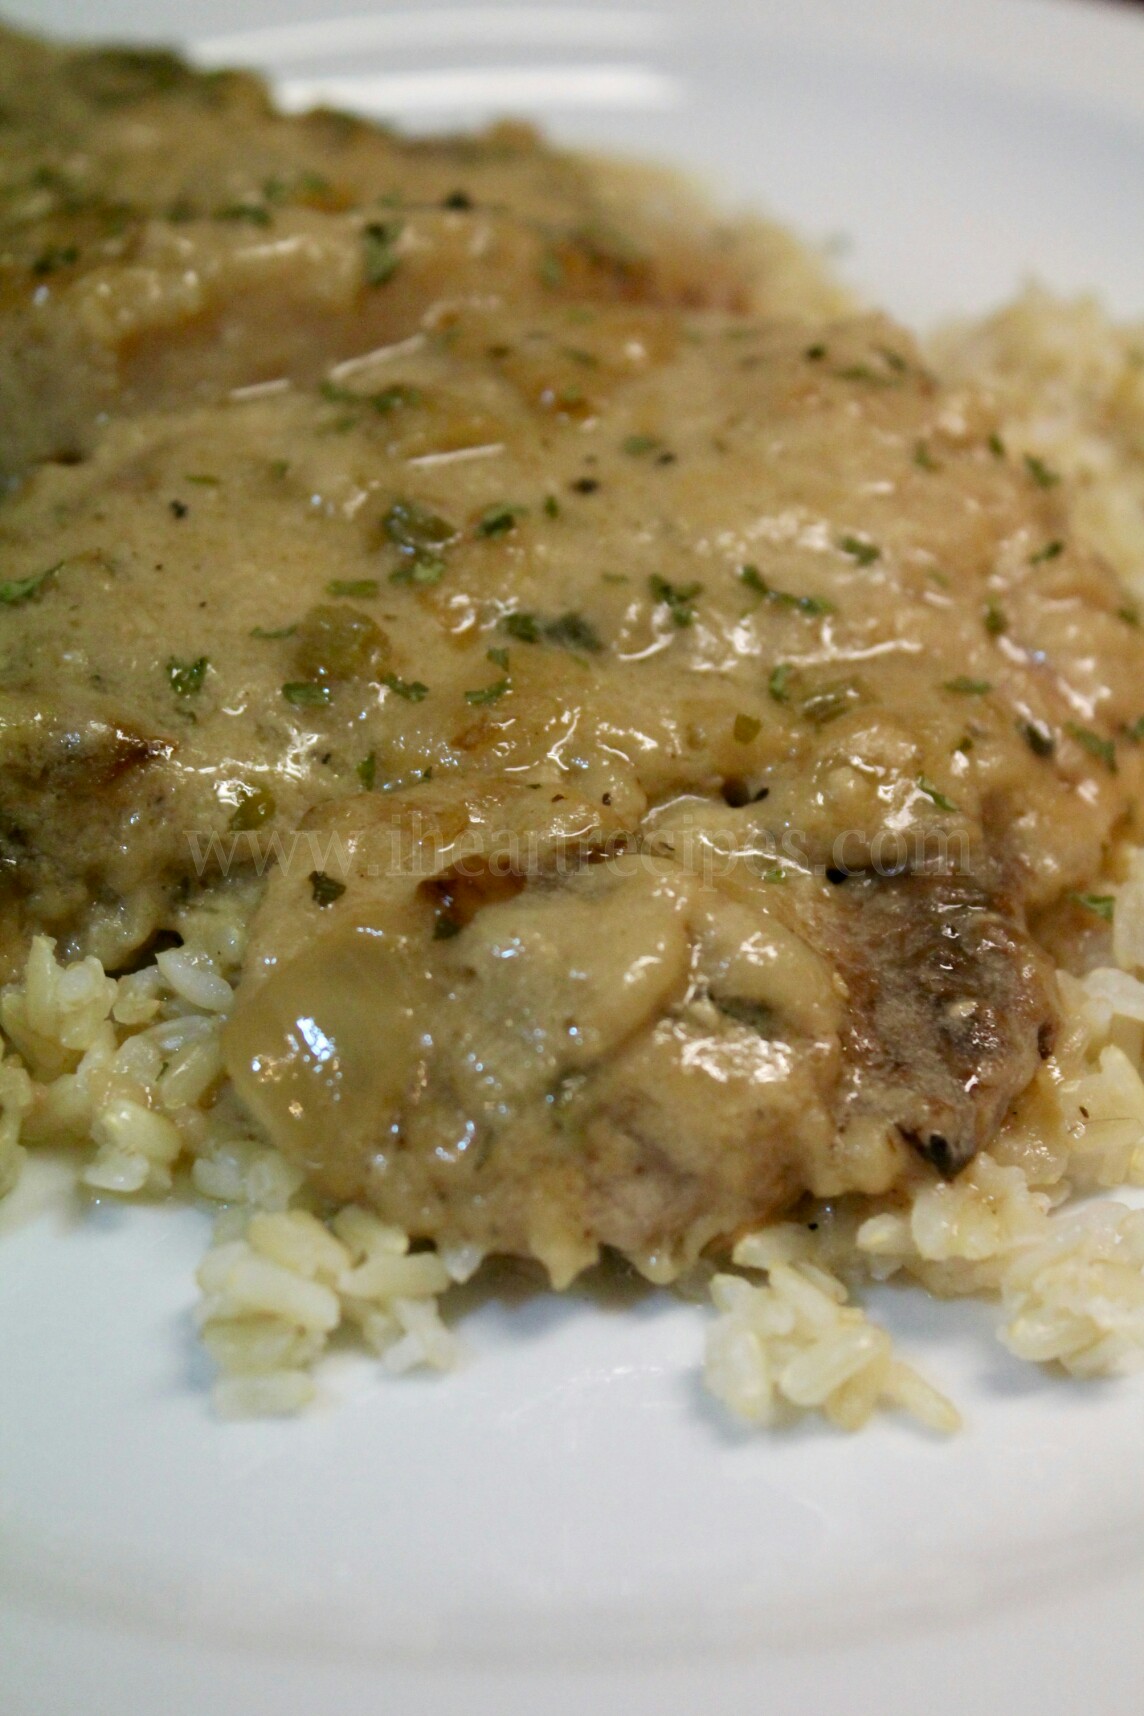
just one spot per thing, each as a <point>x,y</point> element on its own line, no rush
<point>567,1524</point>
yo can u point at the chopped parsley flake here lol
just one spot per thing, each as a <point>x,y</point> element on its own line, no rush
<point>934,793</point>
<point>413,527</point>
<point>14,592</point>
<point>995,620</point>
<point>203,479</point>
<point>1129,613</point>
<point>1136,731</point>
<point>420,568</point>
<point>488,693</point>
<point>996,445</point>
<point>324,890</point>
<point>253,806</point>
<point>678,598</point>
<point>638,444</point>
<point>968,687</point>
<point>379,251</point>
<point>445,927</point>
<point>777,683</point>
<point>367,771</point>
<point>754,580</point>
<point>524,627</point>
<point>551,507</point>
<point>306,693</point>
<point>924,459</point>
<point>828,702</point>
<point>187,677</point>
<point>860,549</point>
<point>411,689</point>
<point>498,520</point>
<point>1049,552</point>
<point>273,631</point>
<point>815,353</point>
<point>1042,474</point>
<point>498,657</point>
<point>256,213</point>
<point>573,631</point>
<point>1102,904</point>
<point>1104,750</point>
<point>746,728</point>
<point>360,587</point>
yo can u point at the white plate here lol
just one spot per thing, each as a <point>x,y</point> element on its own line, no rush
<point>567,1524</point>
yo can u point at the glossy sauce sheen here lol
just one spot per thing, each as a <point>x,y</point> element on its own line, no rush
<point>674,715</point>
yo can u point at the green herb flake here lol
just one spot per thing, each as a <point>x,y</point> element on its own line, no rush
<point>935,794</point>
<point>187,677</point>
<point>488,693</point>
<point>815,353</point>
<point>1129,613</point>
<point>203,479</point>
<point>253,806</point>
<point>1102,904</point>
<point>860,549</point>
<point>366,771</point>
<point>573,631</point>
<point>996,445</point>
<point>1104,750</point>
<point>421,569</point>
<point>273,631</point>
<point>499,658</point>
<point>279,468</point>
<point>754,580</point>
<point>498,520</point>
<point>924,459</point>
<point>1042,474</point>
<point>551,507</point>
<point>1049,552</point>
<point>14,592</point>
<point>678,598</point>
<point>445,927</point>
<point>830,701</point>
<point>775,874</point>
<point>777,683</point>
<point>413,528</point>
<point>967,687</point>
<point>364,588</point>
<point>379,251</point>
<point>324,890</point>
<point>746,728</point>
<point>1136,731</point>
<point>411,689</point>
<point>524,627</point>
<point>306,693</point>
<point>1038,738</point>
<point>254,213</point>
<point>637,445</point>
<point>995,620</point>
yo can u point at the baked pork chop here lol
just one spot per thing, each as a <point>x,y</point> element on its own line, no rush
<point>664,727</point>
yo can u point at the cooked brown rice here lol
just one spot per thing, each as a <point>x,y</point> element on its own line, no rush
<point>129,1070</point>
